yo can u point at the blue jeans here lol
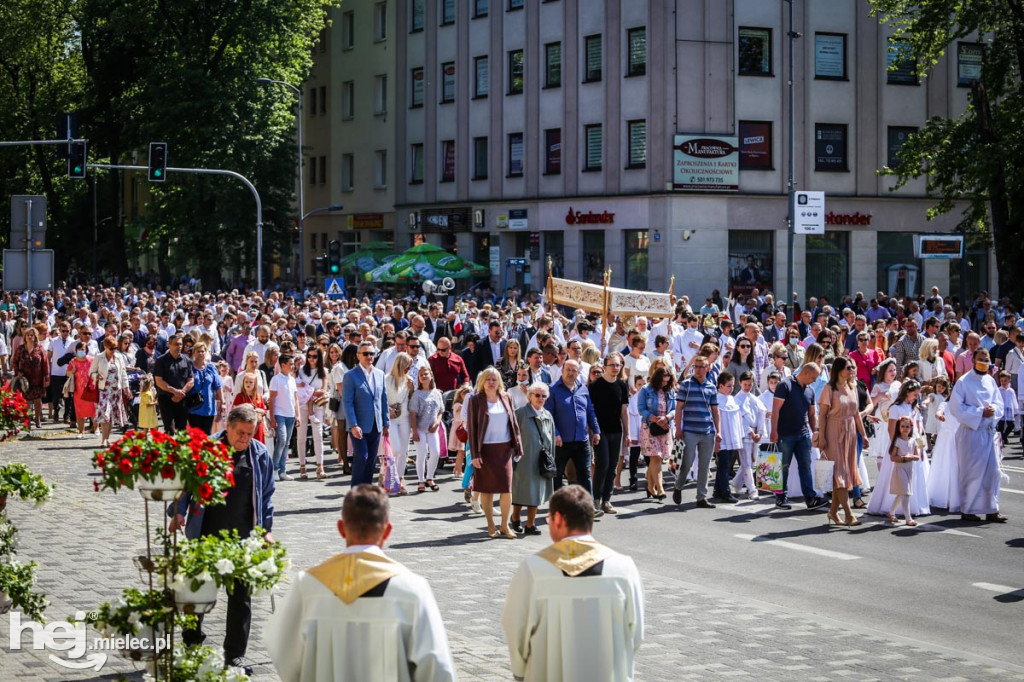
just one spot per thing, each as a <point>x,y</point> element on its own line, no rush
<point>723,472</point>
<point>282,440</point>
<point>799,447</point>
<point>855,494</point>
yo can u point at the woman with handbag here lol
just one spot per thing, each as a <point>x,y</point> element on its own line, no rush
<point>203,401</point>
<point>83,389</point>
<point>426,407</point>
<point>311,382</point>
<point>398,387</point>
<point>839,426</point>
<point>656,404</point>
<point>339,436</point>
<point>109,376</point>
<point>533,475</point>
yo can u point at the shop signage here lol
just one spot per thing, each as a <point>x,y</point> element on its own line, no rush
<point>588,218</point>
<point>366,221</point>
<point>478,218</point>
<point>446,220</point>
<point>809,213</point>
<point>501,221</point>
<point>517,219</point>
<point>535,246</point>
<point>857,218</point>
<point>706,163</point>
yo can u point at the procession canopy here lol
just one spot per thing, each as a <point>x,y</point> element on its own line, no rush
<point>591,297</point>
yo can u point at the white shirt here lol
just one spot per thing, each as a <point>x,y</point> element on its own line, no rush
<point>284,389</point>
<point>495,350</point>
<point>498,430</point>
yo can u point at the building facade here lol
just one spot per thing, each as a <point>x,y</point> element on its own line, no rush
<point>561,130</point>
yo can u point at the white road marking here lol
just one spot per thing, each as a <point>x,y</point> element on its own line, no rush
<point>1011,490</point>
<point>799,548</point>
<point>1019,470</point>
<point>1001,589</point>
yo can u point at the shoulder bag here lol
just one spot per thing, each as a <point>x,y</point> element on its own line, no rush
<point>545,459</point>
<point>657,429</point>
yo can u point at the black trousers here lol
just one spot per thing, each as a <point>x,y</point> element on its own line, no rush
<point>634,463</point>
<point>579,452</point>
<point>174,414</point>
<point>237,623</point>
<point>58,399</point>
<point>204,424</point>
<point>606,457</point>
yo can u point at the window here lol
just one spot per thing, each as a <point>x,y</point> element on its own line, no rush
<point>592,61</point>
<point>348,30</point>
<point>322,40</point>
<point>448,161</point>
<point>312,101</point>
<point>637,131</point>
<point>448,82</point>
<point>976,267</point>
<point>416,154</point>
<point>323,100</point>
<point>901,67</point>
<point>312,170</point>
<point>480,8</point>
<point>897,135</point>
<point>637,244</point>
<point>553,151</point>
<point>348,100</point>
<point>380,21</point>
<point>515,72</point>
<point>347,169</point>
<point>481,77</point>
<point>417,16</point>
<point>417,79</point>
<point>552,65</point>
<point>755,145</point>
<point>323,170</point>
<point>554,250</point>
<point>830,56</point>
<point>380,169</point>
<point>515,155</point>
<point>969,57</point>
<point>380,94</point>
<point>828,264</point>
<point>755,52</point>
<point>636,40</point>
<point>830,147</point>
<point>593,256</point>
<point>479,158</point>
<point>593,143</point>
<point>515,4</point>
<point>750,260</point>
<point>447,12</point>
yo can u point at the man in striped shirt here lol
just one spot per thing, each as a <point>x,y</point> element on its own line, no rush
<point>697,425</point>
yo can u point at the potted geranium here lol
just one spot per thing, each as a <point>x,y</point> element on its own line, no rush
<point>162,466</point>
<point>17,479</point>
<point>13,412</point>
<point>17,581</point>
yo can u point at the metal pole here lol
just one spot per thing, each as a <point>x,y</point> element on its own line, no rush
<point>95,229</point>
<point>28,246</point>
<point>302,202</point>
<point>215,171</point>
<point>790,196</point>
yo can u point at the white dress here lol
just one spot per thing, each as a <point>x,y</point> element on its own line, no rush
<point>944,477</point>
<point>881,499</point>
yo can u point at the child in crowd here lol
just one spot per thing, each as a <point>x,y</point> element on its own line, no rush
<point>752,413</point>
<point>456,446</point>
<point>937,396</point>
<point>731,421</point>
<point>227,390</point>
<point>147,403</point>
<point>904,451</point>
<point>1009,397</point>
<point>634,434</point>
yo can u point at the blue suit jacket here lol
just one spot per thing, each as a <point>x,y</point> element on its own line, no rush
<point>364,407</point>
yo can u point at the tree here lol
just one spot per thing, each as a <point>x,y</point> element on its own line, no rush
<point>975,157</point>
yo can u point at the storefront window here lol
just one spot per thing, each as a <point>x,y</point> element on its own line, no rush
<point>828,265</point>
<point>977,269</point>
<point>637,259</point>
<point>554,248</point>
<point>899,272</point>
<point>751,265</point>
<point>593,256</point>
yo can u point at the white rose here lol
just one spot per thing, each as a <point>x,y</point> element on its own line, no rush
<point>268,567</point>
<point>204,577</point>
<point>254,573</point>
<point>225,566</point>
<point>134,617</point>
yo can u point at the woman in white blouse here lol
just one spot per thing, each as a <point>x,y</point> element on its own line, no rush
<point>399,388</point>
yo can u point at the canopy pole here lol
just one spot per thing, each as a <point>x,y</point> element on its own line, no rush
<point>672,288</point>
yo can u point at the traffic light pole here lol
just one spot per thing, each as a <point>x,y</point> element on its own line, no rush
<point>215,171</point>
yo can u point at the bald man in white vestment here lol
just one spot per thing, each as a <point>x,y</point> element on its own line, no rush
<point>575,610</point>
<point>360,615</point>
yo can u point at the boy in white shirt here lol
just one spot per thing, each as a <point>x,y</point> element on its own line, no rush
<point>283,408</point>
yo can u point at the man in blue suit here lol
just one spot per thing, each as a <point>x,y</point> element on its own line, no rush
<point>366,413</point>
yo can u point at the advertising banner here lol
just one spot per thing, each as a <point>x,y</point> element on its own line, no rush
<point>705,163</point>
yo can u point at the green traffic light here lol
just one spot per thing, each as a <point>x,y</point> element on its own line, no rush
<point>78,169</point>
<point>334,268</point>
<point>158,172</point>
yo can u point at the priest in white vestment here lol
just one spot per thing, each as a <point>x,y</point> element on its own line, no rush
<point>360,615</point>
<point>978,406</point>
<point>574,611</point>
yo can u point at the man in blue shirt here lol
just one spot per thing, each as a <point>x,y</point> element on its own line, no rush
<point>793,419</point>
<point>697,426</point>
<point>570,405</point>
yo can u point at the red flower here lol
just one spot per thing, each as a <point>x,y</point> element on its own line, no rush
<point>172,457</point>
<point>126,466</point>
<point>205,492</point>
<point>100,460</point>
<point>202,468</point>
<point>135,451</point>
<point>167,472</point>
<point>146,467</point>
<point>230,478</point>
<point>96,485</point>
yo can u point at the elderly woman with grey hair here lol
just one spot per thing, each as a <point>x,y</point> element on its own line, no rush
<point>529,488</point>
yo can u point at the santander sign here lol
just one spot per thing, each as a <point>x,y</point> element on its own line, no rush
<point>588,218</point>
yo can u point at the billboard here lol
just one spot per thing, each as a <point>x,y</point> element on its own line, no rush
<point>705,164</point>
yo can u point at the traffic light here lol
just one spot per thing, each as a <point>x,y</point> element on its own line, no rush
<point>321,264</point>
<point>76,160</point>
<point>157,161</point>
<point>334,258</point>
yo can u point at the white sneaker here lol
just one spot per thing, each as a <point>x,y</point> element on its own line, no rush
<point>476,508</point>
<point>286,477</point>
<point>753,495</point>
<point>277,475</point>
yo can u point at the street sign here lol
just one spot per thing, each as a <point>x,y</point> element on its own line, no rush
<point>335,287</point>
<point>809,213</point>
<point>517,262</point>
<point>15,263</point>
<point>939,246</point>
<point>21,204</point>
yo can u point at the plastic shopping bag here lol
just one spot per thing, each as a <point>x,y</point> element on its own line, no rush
<point>768,469</point>
<point>390,479</point>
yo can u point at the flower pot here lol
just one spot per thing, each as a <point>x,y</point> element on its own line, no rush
<point>196,601</point>
<point>162,489</point>
<point>149,651</point>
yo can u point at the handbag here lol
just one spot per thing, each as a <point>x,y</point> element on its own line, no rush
<point>768,469</point>
<point>91,393</point>
<point>823,472</point>
<point>545,459</point>
<point>333,404</point>
<point>656,430</point>
<point>193,401</point>
<point>461,433</point>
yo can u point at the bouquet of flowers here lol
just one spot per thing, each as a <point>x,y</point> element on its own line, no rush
<point>132,611</point>
<point>228,560</point>
<point>202,465</point>
<point>201,664</point>
<point>13,412</point>
<point>17,479</point>
<point>17,581</point>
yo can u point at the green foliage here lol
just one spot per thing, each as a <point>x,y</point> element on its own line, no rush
<point>17,479</point>
<point>971,160</point>
<point>229,560</point>
<point>18,581</point>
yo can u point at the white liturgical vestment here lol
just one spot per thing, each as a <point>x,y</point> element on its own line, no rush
<point>330,628</point>
<point>566,618</point>
<point>976,452</point>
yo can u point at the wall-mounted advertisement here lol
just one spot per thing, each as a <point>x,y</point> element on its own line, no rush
<point>705,163</point>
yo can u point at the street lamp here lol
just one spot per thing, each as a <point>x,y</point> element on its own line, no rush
<point>298,125</point>
<point>323,209</point>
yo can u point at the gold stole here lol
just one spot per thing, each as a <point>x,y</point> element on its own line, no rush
<point>349,576</point>
<point>574,556</point>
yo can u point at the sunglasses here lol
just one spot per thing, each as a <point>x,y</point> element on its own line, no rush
<point>411,347</point>
<point>367,355</point>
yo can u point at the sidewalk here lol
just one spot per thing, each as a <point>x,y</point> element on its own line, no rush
<point>85,541</point>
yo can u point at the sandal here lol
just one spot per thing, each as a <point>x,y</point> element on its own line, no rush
<point>433,486</point>
<point>421,488</point>
<point>859,504</point>
<point>892,518</point>
<point>302,471</point>
<point>320,475</point>
<point>911,523</point>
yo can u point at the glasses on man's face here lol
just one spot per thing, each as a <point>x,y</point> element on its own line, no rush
<point>411,347</point>
<point>443,350</point>
<point>367,355</point>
